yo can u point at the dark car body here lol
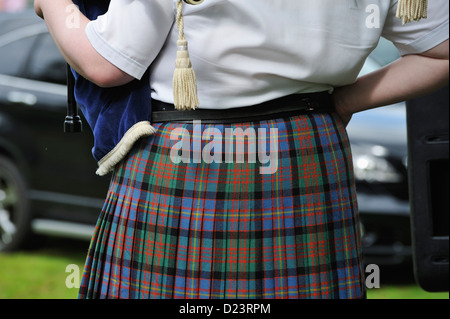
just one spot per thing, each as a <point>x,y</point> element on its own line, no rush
<point>56,170</point>
<point>47,177</point>
<point>378,139</point>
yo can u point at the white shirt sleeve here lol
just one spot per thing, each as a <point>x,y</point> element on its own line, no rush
<point>418,36</point>
<point>132,32</point>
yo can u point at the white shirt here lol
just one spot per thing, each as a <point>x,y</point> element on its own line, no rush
<point>245,52</point>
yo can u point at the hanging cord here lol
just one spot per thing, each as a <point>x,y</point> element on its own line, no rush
<point>412,10</point>
<point>184,80</point>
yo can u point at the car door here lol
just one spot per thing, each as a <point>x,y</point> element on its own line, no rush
<point>59,167</point>
<point>65,160</point>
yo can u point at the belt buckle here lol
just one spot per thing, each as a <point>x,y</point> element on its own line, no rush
<point>309,103</point>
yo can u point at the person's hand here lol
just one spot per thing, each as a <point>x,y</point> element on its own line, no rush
<point>340,106</point>
<point>345,118</point>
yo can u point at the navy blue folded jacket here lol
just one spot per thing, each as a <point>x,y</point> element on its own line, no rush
<point>118,116</point>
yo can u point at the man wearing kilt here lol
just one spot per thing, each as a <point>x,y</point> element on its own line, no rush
<point>235,181</point>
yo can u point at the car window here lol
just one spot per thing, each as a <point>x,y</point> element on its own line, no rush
<point>18,20</point>
<point>46,63</point>
<point>13,56</point>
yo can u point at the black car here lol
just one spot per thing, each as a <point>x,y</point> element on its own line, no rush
<point>47,177</point>
<point>378,140</point>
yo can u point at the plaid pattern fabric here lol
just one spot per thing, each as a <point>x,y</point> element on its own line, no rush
<point>223,230</point>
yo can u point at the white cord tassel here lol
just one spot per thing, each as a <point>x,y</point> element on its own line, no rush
<point>412,10</point>
<point>184,80</point>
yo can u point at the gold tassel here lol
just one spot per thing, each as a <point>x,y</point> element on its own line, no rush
<point>412,10</point>
<point>184,80</point>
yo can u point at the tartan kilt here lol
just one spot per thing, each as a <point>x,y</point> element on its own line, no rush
<point>202,229</point>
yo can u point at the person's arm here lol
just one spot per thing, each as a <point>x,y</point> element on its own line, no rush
<point>409,77</point>
<point>75,46</point>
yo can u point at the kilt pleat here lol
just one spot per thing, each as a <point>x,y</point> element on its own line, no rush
<point>224,230</point>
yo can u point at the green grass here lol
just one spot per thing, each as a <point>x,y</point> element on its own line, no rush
<point>399,283</point>
<point>403,291</point>
<point>41,274</point>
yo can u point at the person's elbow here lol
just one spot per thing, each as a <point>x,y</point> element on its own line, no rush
<point>109,76</point>
<point>106,75</point>
<point>437,63</point>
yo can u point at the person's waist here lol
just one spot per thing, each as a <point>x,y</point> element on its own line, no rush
<point>286,106</point>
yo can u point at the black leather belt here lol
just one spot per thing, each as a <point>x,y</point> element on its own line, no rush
<point>290,105</point>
